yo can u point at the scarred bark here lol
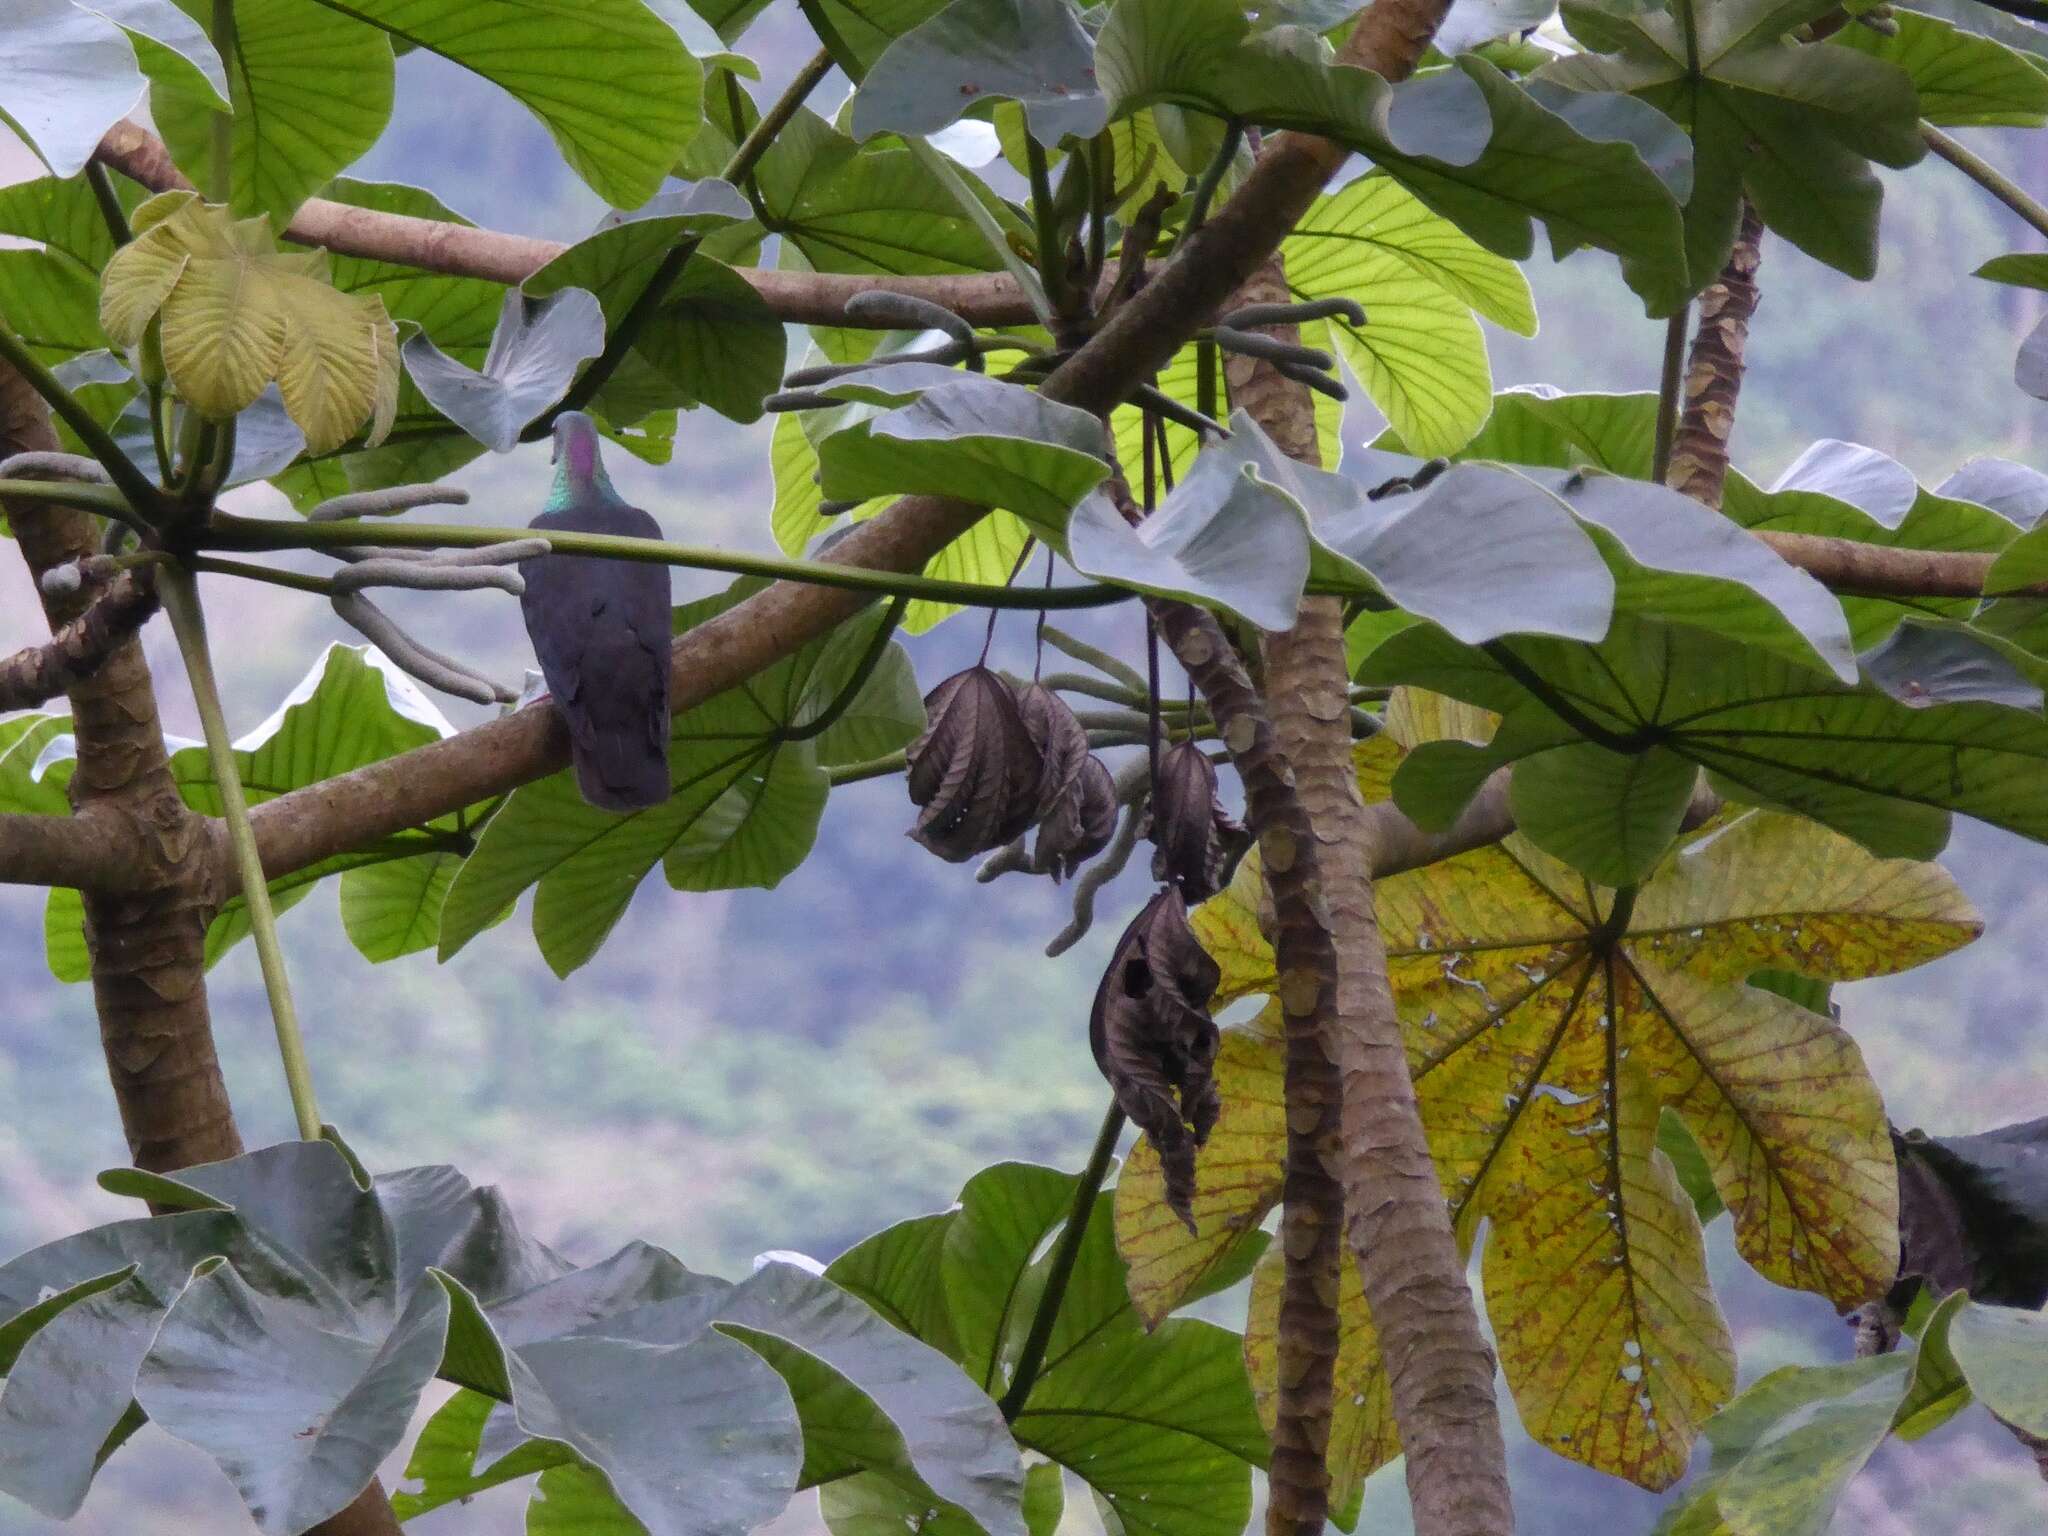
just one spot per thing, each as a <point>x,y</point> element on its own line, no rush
<point>147,944</point>
<point>1305,952</point>
<point>1357,1119</point>
<point>148,977</point>
<point>1713,373</point>
<point>32,677</point>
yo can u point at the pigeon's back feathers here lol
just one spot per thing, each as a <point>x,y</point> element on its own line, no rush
<point>600,629</point>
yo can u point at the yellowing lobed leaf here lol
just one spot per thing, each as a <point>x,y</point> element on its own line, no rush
<point>237,313</point>
<point>1548,1026</point>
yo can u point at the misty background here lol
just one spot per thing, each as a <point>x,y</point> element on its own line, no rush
<point>794,1069</point>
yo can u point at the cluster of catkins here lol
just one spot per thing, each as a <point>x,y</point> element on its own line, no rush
<point>995,761</point>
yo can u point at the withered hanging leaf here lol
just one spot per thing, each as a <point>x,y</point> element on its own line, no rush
<point>1193,836</point>
<point>1155,1042</point>
<point>1060,740</point>
<point>1973,1212</point>
<point>975,772</point>
<point>1080,823</point>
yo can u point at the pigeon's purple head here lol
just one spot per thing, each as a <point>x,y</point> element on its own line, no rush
<point>579,469</point>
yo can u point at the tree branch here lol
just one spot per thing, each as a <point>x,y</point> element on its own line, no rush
<point>34,676</point>
<point>80,852</point>
<point>1713,373</point>
<point>1358,1154</point>
<point>298,828</point>
<point>802,298</point>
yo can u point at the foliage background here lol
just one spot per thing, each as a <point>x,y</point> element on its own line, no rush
<point>794,1069</point>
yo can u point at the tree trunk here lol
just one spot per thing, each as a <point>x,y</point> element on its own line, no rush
<point>148,976</point>
<point>148,968</point>
<point>1713,373</point>
<point>1339,1008</point>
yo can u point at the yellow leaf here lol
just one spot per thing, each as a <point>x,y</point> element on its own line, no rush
<point>238,313</point>
<point>1547,1033</point>
<point>1240,1177</point>
<point>1415,715</point>
<point>1767,890</point>
<point>1229,928</point>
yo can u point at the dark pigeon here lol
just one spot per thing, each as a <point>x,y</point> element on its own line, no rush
<point>601,631</point>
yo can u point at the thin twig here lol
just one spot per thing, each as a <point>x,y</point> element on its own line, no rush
<point>227,531</point>
<point>188,622</point>
<point>1981,171</point>
<point>1032,1356</point>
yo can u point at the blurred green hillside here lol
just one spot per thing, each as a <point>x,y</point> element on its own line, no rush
<point>793,1069</point>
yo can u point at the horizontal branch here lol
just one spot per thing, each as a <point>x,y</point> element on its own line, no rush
<point>1853,569</point>
<point>249,533</point>
<point>1399,845</point>
<point>802,298</point>
<point>87,851</point>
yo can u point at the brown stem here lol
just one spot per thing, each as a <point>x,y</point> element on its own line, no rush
<point>1713,374</point>
<point>33,676</point>
<point>147,972</point>
<point>1297,859</point>
<point>1357,1151</point>
<point>803,298</point>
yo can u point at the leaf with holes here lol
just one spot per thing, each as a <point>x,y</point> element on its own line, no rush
<point>1548,1029</point>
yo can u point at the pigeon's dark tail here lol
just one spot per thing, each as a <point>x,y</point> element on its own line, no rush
<point>622,773</point>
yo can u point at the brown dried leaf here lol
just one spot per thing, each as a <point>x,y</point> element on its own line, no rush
<point>1060,739</point>
<point>1081,823</point>
<point>975,772</point>
<point>1155,1042</point>
<point>1193,836</point>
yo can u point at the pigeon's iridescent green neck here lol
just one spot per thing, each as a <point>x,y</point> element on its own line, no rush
<point>579,469</point>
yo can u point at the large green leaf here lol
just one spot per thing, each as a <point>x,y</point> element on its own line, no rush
<point>1419,355</point>
<point>284,1316</point>
<point>312,90</point>
<point>62,215</point>
<point>712,340</point>
<point>1785,1451</point>
<point>1471,144</point>
<point>1793,129</point>
<point>845,208</point>
<point>296,1403</point>
<point>867,27</point>
<point>610,79</point>
<point>1839,490</point>
<point>968,436</point>
<point>1159,1424</point>
<point>50,304</point>
<point>1774,733</point>
<point>1033,52</point>
<point>743,812</point>
<point>69,73</point>
<point>1963,80</point>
